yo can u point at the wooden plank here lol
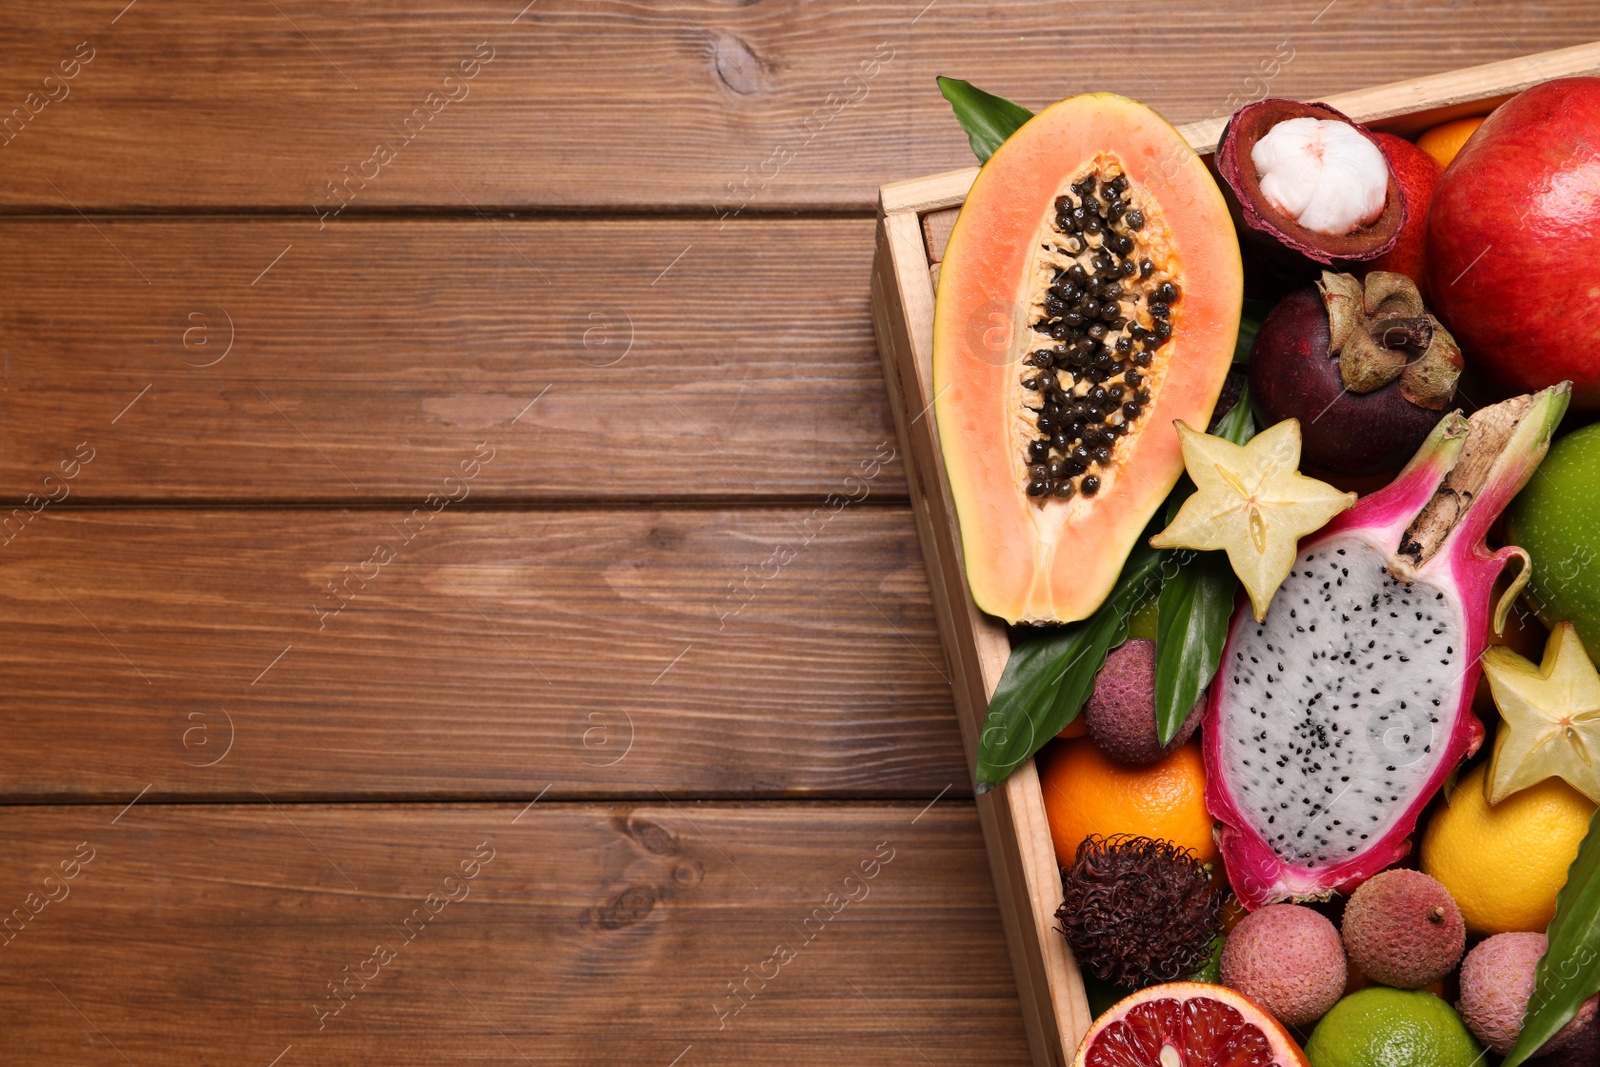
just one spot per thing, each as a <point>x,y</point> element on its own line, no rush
<point>1405,107</point>
<point>667,358</point>
<point>736,107</point>
<point>471,653</point>
<point>586,934</point>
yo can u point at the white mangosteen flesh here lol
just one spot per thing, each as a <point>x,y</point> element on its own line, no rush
<point>1324,174</point>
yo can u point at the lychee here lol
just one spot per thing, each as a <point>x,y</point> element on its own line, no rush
<point>1121,712</point>
<point>1289,960</point>
<point>1497,980</point>
<point>1403,929</point>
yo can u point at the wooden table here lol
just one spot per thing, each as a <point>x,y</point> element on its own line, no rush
<point>460,603</point>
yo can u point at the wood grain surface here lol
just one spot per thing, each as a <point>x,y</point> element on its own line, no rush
<point>586,934</point>
<point>265,360</point>
<point>708,106</point>
<point>471,653</point>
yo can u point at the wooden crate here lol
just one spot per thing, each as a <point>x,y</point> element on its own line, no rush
<point>915,220</point>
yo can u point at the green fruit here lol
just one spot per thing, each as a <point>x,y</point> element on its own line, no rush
<point>1142,623</point>
<point>1212,971</point>
<point>1557,519</point>
<point>1380,1027</point>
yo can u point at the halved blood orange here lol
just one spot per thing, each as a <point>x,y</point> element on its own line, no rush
<point>1089,296</point>
<point>1188,1024</point>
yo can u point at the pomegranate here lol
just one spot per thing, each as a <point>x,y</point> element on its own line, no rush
<point>1513,251</point>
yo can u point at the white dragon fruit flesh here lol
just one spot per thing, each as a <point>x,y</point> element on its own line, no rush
<point>1331,724</point>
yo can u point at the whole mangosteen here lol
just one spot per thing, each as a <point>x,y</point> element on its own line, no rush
<point>1363,366</point>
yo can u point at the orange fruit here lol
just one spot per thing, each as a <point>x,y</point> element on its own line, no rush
<point>1187,1023</point>
<point>1445,140</point>
<point>1078,727</point>
<point>1087,792</point>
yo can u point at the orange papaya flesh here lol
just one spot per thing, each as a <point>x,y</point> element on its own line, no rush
<point>1053,481</point>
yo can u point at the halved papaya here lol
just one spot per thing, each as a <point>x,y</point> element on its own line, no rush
<point>1088,298</point>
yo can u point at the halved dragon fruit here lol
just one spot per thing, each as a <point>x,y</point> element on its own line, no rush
<point>1332,723</point>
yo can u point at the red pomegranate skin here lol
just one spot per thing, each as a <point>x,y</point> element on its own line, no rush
<point>1343,433</point>
<point>1513,250</point>
<point>1418,174</point>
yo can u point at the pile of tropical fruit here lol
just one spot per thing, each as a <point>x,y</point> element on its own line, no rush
<point>1269,462</point>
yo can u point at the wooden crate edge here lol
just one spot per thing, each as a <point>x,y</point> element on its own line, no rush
<point>1405,107</point>
<point>1016,836</point>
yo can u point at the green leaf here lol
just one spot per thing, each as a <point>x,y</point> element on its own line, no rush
<point>988,119</point>
<point>1197,598</point>
<point>1238,425</point>
<point>1567,975</point>
<point>1249,326</point>
<point>1192,623</point>
<point>1048,677</point>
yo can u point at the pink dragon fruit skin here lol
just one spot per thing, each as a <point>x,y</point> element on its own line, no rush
<point>1331,724</point>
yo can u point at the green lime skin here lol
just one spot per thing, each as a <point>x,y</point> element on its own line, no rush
<point>1379,1027</point>
<point>1143,621</point>
<point>1557,519</point>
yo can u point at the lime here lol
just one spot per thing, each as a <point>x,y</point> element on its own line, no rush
<point>1380,1027</point>
<point>1142,623</point>
<point>1557,519</point>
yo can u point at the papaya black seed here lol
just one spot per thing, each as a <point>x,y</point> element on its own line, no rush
<point>1167,293</point>
<point>1090,486</point>
<point>1134,219</point>
<point>1102,455</point>
<point>1131,409</point>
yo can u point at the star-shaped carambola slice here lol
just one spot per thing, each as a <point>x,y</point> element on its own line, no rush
<point>1551,714</point>
<point>1252,502</point>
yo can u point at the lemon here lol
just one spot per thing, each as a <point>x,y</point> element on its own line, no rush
<point>1381,1027</point>
<point>1505,864</point>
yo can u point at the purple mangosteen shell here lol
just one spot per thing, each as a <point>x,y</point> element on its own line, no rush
<point>1248,125</point>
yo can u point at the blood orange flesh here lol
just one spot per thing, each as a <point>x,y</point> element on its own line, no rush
<point>1188,1024</point>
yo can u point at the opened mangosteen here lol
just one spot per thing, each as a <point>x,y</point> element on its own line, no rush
<point>1312,180</point>
<point>1363,366</point>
